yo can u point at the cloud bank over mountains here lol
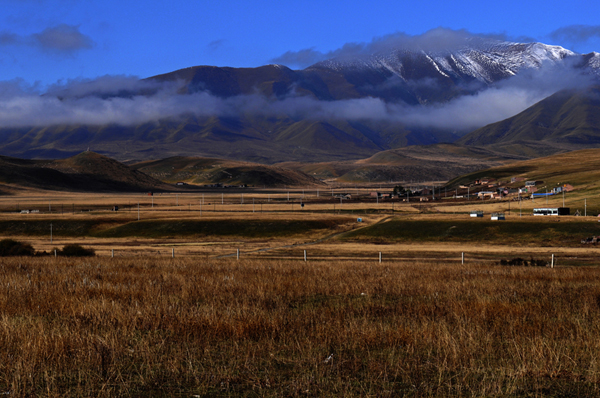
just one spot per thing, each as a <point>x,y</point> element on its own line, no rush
<point>127,100</point>
<point>109,100</point>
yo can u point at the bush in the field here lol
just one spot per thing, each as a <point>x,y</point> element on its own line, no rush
<point>75,250</point>
<point>11,247</point>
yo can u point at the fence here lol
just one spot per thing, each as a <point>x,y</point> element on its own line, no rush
<point>461,258</point>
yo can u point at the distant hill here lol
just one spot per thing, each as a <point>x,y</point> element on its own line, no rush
<point>438,162</point>
<point>567,120</point>
<point>201,171</point>
<point>86,172</point>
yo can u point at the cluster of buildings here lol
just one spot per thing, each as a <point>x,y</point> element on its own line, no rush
<point>491,189</point>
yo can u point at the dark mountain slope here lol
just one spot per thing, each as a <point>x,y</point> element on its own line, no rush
<point>569,118</point>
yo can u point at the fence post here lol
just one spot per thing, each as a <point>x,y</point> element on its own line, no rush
<point>55,253</point>
<point>304,255</point>
<point>463,258</point>
<point>238,254</point>
<point>552,263</point>
<point>112,253</point>
<point>379,257</point>
<point>173,252</point>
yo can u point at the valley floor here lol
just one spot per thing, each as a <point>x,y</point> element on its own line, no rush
<point>394,299</point>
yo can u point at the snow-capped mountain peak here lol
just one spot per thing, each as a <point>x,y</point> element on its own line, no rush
<point>485,61</point>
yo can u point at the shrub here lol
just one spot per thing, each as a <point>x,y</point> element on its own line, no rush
<point>75,250</point>
<point>10,247</point>
<point>521,262</point>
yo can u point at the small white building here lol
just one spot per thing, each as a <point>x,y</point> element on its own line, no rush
<point>477,213</point>
<point>498,216</point>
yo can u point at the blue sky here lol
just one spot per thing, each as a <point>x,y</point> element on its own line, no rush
<point>43,42</point>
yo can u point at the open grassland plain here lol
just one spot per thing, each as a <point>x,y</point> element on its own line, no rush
<point>205,327</point>
<point>267,225</point>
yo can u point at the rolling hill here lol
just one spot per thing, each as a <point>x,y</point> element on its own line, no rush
<point>201,171</point>
<point>85,172</point>
<point>439,162</point>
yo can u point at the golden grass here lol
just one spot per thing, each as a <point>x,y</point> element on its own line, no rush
<point>197,327</point>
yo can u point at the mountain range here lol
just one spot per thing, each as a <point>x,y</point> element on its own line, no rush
<point>345,108</point>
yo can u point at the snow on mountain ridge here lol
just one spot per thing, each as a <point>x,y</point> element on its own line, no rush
<point>485,61</point>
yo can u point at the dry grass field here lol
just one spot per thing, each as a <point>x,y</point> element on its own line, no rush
<point>420,323</point>
<point>195,327</point>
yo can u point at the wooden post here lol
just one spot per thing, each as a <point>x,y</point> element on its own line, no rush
<point>55,253</point>
<point>112,253</point>
<point>379,257</point>
<point>552,263</point>
<point>463,258</point>
<point>238,254</point>
<point>173,252</point>
<point>304,255</point>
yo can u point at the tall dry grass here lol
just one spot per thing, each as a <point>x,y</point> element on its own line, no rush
<point>190,327</point>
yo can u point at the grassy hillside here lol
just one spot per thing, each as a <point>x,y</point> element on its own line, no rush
<point>87,171</point>
<point>438,162</point>
<point>579,168</point>
<point>200,171</point>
